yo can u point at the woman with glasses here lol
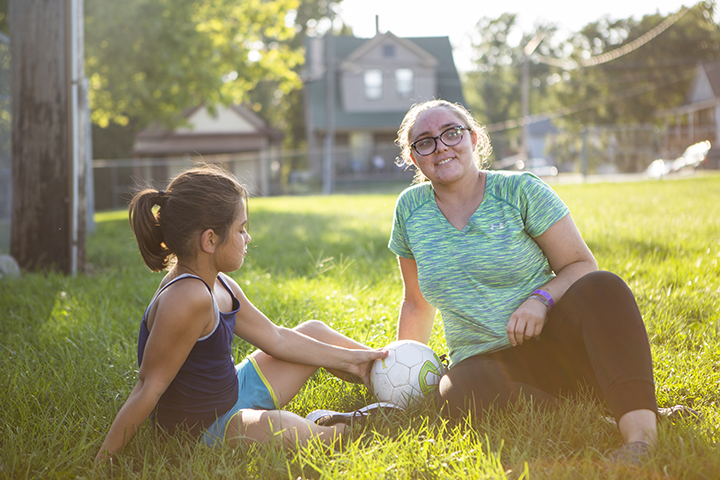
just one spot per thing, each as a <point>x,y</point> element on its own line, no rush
<point>525,310</point>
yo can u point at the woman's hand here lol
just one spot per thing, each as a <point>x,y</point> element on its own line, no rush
<point>527,321</point>
<point>570,258</point>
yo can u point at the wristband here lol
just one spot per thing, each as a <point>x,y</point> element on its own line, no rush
<point>541,299</point>
<point>550,303</point>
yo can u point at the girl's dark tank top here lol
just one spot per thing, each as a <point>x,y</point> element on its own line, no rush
<point>206,385</point>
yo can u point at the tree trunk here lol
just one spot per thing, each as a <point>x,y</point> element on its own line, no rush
<point>47,231</point>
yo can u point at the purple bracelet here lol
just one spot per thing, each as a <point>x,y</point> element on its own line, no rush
<point>546,296</point>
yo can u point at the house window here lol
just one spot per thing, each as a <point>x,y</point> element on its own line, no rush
<point>373,80</point>
<point>388,51</point>
<point>404,82</point>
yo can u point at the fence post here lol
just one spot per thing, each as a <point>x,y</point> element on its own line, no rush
<point>583,158</point>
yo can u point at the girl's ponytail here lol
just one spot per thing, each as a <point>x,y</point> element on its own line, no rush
<point>145,224</point>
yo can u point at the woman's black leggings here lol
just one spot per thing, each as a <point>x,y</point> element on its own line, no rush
<point>594,337</point>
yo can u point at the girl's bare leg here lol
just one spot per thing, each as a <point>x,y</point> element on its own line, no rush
<point>276,425</point>
<point>288,378</point>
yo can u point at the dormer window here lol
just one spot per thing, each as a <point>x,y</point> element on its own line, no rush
<point>373,81</point>
<point>404,82</point>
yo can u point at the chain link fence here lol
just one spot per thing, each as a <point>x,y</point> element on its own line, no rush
<point>591,150</point>
<point>278,173</point>
<point>597,152</point>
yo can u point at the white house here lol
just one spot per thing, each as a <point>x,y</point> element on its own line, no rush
<point>698,118</point>
<point>234,136</point>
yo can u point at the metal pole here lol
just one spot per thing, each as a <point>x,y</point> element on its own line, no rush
<point>330,116</point>
<point>584,159</point>
<point>525,93</point>
<point>72,54</point>
<point>525,98</point>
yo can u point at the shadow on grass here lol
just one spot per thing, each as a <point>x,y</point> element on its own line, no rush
<point>293,243</point>
<point>282,243</point>
<point>112,246</point>
<point>27,302</point>
<point>32,302</point>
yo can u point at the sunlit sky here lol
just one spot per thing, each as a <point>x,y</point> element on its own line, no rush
<point>457,18</point>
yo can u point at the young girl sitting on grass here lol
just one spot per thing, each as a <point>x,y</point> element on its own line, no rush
<point>187,375</point>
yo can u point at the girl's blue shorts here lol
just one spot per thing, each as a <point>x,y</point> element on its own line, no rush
<point>254,392</point>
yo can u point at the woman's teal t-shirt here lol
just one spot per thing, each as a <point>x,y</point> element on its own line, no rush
<point>479,275</point>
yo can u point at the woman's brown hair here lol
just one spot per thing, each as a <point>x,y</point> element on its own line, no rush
<point>201,198</point>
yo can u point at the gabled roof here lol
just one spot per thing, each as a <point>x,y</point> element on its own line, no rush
<point>703,93</point>
<point>712,71</point>
<point>427,59</point>
<point>705,85</point>
<point>238,119</point>
<point>233,129</point>
<point>348,48</point>
<point>542,127</point>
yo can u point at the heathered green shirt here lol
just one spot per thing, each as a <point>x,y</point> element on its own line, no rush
<point>479,276</point>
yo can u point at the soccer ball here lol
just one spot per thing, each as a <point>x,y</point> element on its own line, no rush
<point>410,373</point>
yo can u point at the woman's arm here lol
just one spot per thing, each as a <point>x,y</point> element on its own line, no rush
<point>570,258</point>
<point>292,346</point>
<point>416,314</point>
<point>181,315</point>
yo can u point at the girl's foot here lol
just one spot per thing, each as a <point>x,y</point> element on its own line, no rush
<point>327,418</point>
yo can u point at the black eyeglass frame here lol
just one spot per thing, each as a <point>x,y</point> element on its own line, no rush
<point>439,137</point>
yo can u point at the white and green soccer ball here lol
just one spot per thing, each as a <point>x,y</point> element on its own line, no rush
<point>410,373</point>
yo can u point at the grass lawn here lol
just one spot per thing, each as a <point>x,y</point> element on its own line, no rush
<point>68,347</point>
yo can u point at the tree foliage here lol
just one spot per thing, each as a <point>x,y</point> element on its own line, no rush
<point>631,88</point>
<point>285,110</point>
<point>147,60</point>
<point>494,90</point>
<point>4,7</point>
<point>628,89</point>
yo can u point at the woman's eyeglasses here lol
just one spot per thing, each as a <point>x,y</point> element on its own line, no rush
<point>428,145</point>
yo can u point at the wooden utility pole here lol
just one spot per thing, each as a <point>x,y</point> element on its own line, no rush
<point>48,135</point>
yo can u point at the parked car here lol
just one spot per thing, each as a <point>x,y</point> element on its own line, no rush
<point>691,158</point>
<point>539,166</point>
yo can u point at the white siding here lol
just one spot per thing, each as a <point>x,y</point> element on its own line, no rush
<point>225,121</point>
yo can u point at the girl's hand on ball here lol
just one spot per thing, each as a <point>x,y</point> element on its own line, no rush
<point>365,360</point>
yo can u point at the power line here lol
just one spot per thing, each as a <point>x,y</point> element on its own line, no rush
<point>569,64</point>
<point>593,61</point>
<point>578,107</point>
